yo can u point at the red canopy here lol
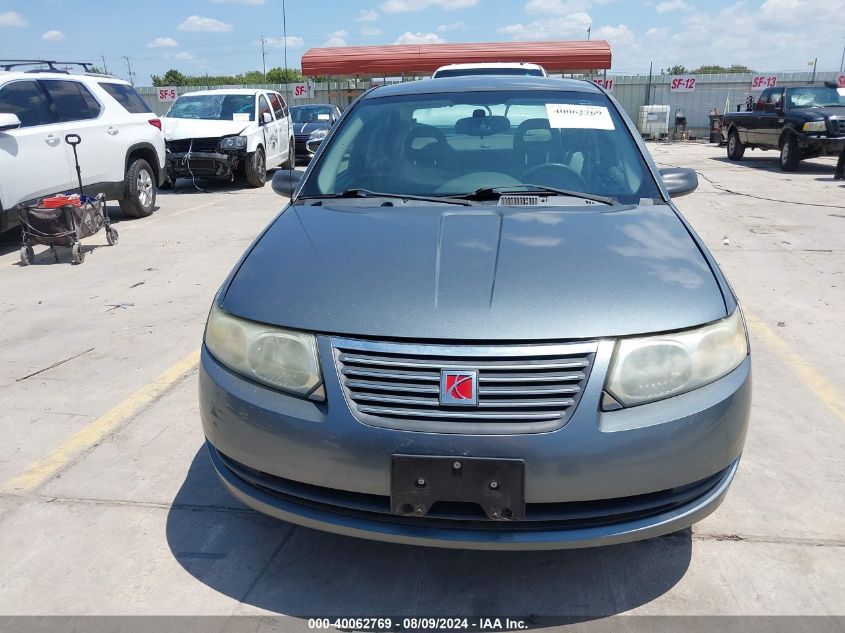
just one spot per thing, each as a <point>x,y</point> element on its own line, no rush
<point>399,59</point>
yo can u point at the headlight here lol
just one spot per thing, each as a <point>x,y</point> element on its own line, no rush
<point>814,126</point>
<point>233,142</point>
<point>282,359</point>
<point>318,135</point>
<point>656,367</point>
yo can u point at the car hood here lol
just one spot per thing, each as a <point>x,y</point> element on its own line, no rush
<point>175,129</point>
<point>306,128</point>
<point>482,273</point>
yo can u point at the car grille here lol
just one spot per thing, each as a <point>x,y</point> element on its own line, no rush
<point>839,125</point>
<point>199,145</point>
<point>451,515</point>
<point>521,388</point>
<point>301,138</point>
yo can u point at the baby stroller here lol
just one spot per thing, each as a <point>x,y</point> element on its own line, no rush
<point>65,220</point>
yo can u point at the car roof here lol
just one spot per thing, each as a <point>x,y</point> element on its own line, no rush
<point>19,74</point>
<point>486,83</point>
<point>489,65</point>
<point>225,91</point>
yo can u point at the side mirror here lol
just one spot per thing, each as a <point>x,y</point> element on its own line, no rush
<point>679,180</point>
<point>285,181</point>
<point>9,122</point>
<point>266,118</point>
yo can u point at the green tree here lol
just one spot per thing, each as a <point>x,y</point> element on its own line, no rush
<point>715,69</point>
<point>677,69</point>
<point>283,75</point>
<point>171,78</point>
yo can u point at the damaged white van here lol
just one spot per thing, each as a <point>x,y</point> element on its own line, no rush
<point>228,133</point>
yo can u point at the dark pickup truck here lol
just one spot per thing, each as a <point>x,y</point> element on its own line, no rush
<point>801,122</point>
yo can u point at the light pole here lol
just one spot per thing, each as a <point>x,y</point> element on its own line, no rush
<point>842,61</point>
<point>814,62</point>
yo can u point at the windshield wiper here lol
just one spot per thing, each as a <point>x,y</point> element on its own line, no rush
<point>494,193</point>
<point>366,193</point>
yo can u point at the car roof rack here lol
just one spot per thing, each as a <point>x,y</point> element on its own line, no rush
<point>10,64</point>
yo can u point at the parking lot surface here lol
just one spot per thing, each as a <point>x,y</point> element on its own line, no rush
<point>109,505</point>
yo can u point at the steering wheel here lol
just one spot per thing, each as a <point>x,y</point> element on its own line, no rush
<point>555,175</point>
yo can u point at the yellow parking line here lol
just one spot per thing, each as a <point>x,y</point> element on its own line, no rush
<point>812,378</point>
<point>93,433</point>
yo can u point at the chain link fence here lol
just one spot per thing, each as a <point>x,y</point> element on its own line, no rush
<point>709,92</point>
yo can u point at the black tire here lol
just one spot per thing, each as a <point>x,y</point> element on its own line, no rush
<point>735,147</point>
<point>790,154</point>
<point>290,163</point>
<point>27,255</point>
<point>112,236</point>
<point>256,168</point>
<point>77,253</point>
<point>140,198</point>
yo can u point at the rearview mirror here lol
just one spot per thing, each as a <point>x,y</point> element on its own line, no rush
<point>9,122</point>
<point>285,181</point>
<point>266,118</point>
<point>679,180</point>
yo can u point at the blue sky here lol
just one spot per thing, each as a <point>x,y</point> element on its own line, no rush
<point>221,36</point>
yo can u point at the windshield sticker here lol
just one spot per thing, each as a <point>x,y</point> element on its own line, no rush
<point>240,116</point>
<point>584,117</point>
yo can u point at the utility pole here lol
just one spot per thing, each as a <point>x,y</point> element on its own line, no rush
<point>105,69</point>
<point>263,59</point>
<point>589,28</point>
<point>842,62</point>
<point>285,45</point>
<point>129,70</point>
<point>815,61</point>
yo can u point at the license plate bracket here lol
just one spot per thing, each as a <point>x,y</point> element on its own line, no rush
<point>417,482</point>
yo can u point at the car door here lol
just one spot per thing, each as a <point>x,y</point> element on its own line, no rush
<point>272,141</point>
<point>33,161</point>
<point>102,151</point>
<point>771,121</point>
<point>755,119</point>
<point>280,110</point>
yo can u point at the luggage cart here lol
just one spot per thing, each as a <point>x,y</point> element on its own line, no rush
<point>65,220</point>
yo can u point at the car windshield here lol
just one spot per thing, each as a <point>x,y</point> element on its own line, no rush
<point>465,72</point>
<point>819,96</point>
<point>311,114</point>
<point>448,144</point>
<point>214,107</point>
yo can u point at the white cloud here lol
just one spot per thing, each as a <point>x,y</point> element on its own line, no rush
<point>452,26</point>
<point>557,7</point>
<point>294,41</point>
<point>11,18</point>
<point>338,38</point>
<point>420,38</point>
<point>573,26</point>
<point>53,36</point>
<point>367,15</point>
<point>616,35</point>
<point>672,5</point>
<point>185,56</point>
<point>251,3</point>
<point>163,42</point>
<point>367,31</point>
<point>209,25</point>
<point>404,6</point>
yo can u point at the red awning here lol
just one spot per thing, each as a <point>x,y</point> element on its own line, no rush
<point>376,61</point>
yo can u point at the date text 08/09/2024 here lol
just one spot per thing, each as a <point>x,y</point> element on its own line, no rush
<point>496,624</point>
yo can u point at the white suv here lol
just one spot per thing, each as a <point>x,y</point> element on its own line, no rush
<point>122,150</point>
<point>520,69</point>
<point>226,133</point>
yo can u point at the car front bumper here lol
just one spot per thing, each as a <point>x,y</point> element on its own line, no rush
<point>603,478</point>
<point>218,165</point>
<point>821,144</point>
